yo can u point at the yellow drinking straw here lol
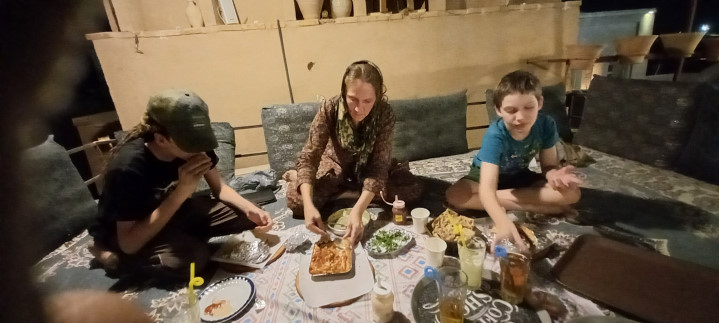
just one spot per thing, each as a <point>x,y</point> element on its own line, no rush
<point>194,281</point>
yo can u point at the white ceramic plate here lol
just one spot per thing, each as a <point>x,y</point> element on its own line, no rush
<point>337,222</point>
<point>239,291</point>
<point>376,248</point>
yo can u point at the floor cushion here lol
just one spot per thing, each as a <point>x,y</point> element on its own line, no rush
<point>61,205</point>
<point>286,127</point>
<point>642,120</point>
<point>700,158</point>
<point>430,127</point>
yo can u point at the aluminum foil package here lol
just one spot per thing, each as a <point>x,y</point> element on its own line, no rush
<point>250,252</point>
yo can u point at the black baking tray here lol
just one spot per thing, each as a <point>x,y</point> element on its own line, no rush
<point>645,284</point>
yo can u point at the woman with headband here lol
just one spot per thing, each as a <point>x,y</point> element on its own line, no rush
<point>349,149</point>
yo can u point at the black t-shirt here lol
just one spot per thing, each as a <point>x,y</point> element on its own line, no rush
<point>136,182</point>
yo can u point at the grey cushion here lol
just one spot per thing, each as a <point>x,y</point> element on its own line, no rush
<point>641,120</point>
<point>430,127</point>
<point>225,152</point>
<point>555,106</point>
<point>60,205</point>
<point>700,158</point>
<point>286,127</point>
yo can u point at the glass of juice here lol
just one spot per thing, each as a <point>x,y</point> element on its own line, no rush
<point>452,291</point>
<point>471,259</point>
<point>514,275</point>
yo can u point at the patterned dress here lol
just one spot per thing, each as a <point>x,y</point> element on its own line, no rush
<point>329,167</point>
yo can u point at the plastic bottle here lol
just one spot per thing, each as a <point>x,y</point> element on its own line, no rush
<point>382,303</point>
<point>399,212</point>
<point>514,272</point>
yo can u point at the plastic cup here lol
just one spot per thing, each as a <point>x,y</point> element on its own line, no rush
<point>419,219</point>
<point>514,276</point>
<point>452,291</point>
<point>471,259</point>
<point>187,314</point>
<point>435,248</point>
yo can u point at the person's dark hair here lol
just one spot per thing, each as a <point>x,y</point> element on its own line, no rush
<point>146,129</point>
<point>521,82</point>
<point>368,72</point>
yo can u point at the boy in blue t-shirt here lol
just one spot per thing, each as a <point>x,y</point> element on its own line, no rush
<point>499,179</point>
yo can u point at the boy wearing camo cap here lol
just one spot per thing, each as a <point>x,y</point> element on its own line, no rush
<point>148,220</point>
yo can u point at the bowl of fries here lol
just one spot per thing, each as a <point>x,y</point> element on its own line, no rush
<point>452,227</point>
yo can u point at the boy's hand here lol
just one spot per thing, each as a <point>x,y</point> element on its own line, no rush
<point>260,217</point>
<point>563,178</point>
<point>189,174</point>
<point>508,231</point>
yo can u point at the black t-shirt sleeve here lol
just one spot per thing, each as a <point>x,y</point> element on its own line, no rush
<point>127,197</point>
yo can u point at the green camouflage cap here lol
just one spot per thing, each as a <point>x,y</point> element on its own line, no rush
<point>186,118</point>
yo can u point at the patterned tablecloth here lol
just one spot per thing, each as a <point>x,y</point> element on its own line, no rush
<point>276,286</point>
<point>673,214</point>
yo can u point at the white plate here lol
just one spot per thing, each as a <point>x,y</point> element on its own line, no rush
<point>239,291</point>
<point>405,238</point>
<point>337,222</point>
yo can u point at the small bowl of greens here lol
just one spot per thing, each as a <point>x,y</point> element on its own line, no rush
<point>388,242</point>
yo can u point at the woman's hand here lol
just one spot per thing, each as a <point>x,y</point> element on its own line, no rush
<point>190,173</point>
<point>508,231</point>
<point>260,217</point>
<point>563,178</point>
<point>313,220</point>
<point>355,228</point>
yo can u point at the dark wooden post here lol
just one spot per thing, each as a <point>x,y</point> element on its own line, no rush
<point>690,24</point>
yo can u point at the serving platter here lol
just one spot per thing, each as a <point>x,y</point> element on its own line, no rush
<point>388,242</point>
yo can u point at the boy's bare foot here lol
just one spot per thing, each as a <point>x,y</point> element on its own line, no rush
<point>290,175</point>
<point>105,257</point>
<point>571,215</point>
<point>570,212</point>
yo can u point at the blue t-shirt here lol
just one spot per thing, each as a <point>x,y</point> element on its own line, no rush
<point>512,156</point>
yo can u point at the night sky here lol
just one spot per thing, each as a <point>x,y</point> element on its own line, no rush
<point>672,15</point>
